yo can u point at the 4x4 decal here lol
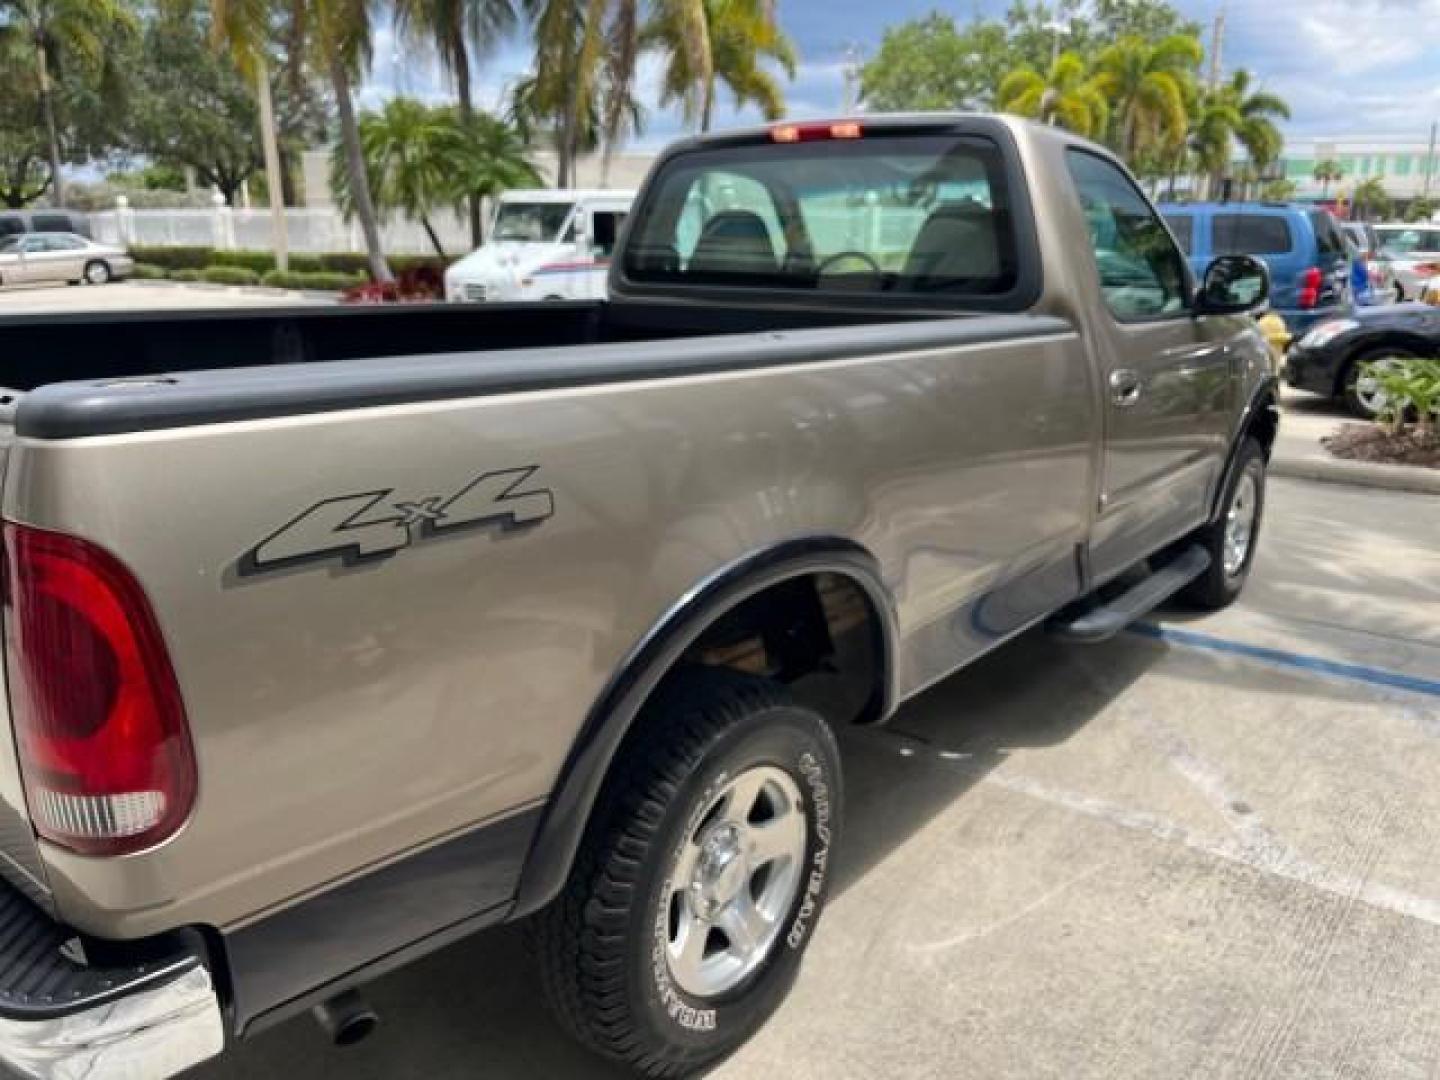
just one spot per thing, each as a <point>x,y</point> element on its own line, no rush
<point>371,525</point>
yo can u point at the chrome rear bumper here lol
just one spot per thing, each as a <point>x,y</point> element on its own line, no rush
<point>144,1036</point>
<point>73,1007</point>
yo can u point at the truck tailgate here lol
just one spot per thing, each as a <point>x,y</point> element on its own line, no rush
<point>20,863</point>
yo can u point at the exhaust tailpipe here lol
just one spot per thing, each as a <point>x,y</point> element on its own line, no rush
<point>347,1018</point>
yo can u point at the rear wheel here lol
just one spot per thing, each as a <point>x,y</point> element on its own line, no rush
<point>97,272</point>
<point>1231,538</point>
<point>699,883</point>
<point>1362,393</point>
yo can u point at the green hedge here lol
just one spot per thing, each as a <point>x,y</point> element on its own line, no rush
<point>230,275</point>
<point>174,258</point>
<point>263,262</point>
<point>185,273</point>
<point>148,271</point>
<point>314,279</point>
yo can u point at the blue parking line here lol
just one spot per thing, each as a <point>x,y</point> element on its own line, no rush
<point>1357,672</point>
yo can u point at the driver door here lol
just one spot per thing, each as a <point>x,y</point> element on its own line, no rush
<point>1165,374</point>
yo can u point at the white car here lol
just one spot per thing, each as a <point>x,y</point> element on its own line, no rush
<point>34,257</point>
<point>543,245</point>
<point>1414,253</point>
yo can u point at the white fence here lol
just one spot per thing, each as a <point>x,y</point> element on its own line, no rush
<point>309,231</point>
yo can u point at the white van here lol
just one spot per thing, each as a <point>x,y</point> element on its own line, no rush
<point>543,245</point>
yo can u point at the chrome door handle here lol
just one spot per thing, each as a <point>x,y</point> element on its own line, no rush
<point>1124,387</point>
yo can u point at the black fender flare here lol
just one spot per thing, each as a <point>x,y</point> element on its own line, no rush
<point>1264,398</point>
<point>567,811</point>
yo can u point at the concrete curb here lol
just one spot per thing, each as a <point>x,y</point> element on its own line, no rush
<point>1332,470</point>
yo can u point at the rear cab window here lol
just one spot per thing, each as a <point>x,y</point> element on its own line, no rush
<point>917,215</point>
<point>1251,233</point>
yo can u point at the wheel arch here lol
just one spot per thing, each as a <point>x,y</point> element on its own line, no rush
<point>1260,419</point>
<point>1391,340</point>
<point>659,651</point>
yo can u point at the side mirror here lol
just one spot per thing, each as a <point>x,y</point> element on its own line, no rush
<point>1233,284</point>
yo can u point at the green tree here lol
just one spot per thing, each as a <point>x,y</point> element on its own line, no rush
<point>61,34</point>
<point>1278,190</point>
<point>709,42</point>
<point>1146,85</point>
<point>1327,172</point>
<point>419,159</point>
<point>1370,201</point>
<point>1235,111</point>
<point>334,37</point>
<point>1064,95</point>
<point>487,157</point>
<point>1422,209</point>
<point>930,63</point>
<point>406,146</point>
<point>453,28</point>
<point>191,106</point>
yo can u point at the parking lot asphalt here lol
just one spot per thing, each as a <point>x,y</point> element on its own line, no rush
<point>1204,849</point>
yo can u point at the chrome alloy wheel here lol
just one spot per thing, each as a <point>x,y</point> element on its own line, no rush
<point>733,881</point>
<point>1240,524</point>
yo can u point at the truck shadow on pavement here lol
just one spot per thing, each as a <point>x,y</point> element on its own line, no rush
<point>474,1010</point>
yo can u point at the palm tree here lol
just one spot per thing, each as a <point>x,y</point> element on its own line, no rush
<point>1146,86</point>
<point>406,146</point>
<point>335,37</point>
<point>1370,200</point>
<point>707,42</point>
<point>487,156</point>
<point>61,31</point>
<point>620,111</point>
<point>1326,173</point>
<point>1062,96</point>
<point>340,37</point>
<point>419,159</point>
<point>453,28</point>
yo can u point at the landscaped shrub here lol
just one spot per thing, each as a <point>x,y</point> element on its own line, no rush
<point>185,273</point>
<point>259,261</point>
<point>148,272</point>
<point>174,258</point>
<point>345,262</point>
<point>229,275</point>
<point>317,279</point>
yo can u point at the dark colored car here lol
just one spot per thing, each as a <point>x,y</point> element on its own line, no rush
<point>1303,246</point>
<point>1330,359</point>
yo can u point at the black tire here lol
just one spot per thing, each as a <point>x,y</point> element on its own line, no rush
<point>1349,392</point>
<point>1218,587</point>
<point>97,272</point>
<point>601,946</point>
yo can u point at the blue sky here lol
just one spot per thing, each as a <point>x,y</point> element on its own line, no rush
<point>1347,67</point>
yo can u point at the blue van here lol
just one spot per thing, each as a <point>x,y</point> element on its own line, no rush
<point>1303,246</point>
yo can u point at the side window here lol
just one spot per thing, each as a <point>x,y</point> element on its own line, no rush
<point>1142,273</point>
<point>1256,234</point>
<point>11,225</point>
<point>1183,226</point>
<point>33,244</point>
<point>51,222</point>
<point>604,230</point>
<point>1327,234</point>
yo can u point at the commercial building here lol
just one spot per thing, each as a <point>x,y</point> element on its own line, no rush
<point>1407,167</point>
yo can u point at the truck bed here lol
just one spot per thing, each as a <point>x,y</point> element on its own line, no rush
<point>39,349</point>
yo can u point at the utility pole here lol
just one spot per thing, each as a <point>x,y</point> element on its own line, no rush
<point>1430,160</point>
<point>1217,43</point>
<point>850,75</point>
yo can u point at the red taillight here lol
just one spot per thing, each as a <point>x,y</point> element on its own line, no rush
<point>1427,269</point>
<point>794,133</point>
<point>1310,282</point>
<point>104,747</point>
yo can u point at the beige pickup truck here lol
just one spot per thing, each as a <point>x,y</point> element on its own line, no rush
<point>333,635</point>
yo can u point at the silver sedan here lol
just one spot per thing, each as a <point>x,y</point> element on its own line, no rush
<point>29,258</point>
